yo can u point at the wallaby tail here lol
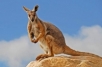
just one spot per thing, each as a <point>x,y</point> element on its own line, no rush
<point>68,50</point>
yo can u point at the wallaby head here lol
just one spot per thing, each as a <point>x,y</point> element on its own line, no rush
<point>31,13</point>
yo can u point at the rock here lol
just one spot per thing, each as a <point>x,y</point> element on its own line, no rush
<point>64,61</point>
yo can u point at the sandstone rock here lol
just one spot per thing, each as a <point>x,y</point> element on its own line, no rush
<point>63,61</point>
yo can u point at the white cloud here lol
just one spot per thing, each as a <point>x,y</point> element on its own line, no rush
<point>21,51</point>
<point>18,50</point>
<point>89,39</point>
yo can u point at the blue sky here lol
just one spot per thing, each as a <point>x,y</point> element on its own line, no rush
<point>70,16</point>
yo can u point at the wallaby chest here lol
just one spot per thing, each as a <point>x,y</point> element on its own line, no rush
<point>35,29</point>
<point>43,44</point>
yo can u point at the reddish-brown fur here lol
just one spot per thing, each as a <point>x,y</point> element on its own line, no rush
<point>49,36</point>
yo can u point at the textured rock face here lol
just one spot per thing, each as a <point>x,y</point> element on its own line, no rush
<point>62,61</point>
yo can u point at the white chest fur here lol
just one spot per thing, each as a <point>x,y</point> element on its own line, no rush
<point>43,44</point>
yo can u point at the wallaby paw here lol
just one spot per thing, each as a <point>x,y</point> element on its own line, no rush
<point>34,41</point>
<point>42,56</point>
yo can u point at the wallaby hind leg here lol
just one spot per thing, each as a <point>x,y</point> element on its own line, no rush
<point>49,52</point>
<point>42,56</point>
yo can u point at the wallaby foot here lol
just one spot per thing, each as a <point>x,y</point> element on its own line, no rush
<point>42,56</point>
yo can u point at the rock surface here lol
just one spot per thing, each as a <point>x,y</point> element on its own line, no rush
<point>63,61</point>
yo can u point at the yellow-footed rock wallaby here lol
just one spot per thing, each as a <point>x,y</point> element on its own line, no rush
<point>49,36</point>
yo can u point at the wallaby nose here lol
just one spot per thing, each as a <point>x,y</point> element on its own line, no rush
<point>32,20</point>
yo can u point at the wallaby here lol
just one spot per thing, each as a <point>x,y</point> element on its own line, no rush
<point>49,36</point>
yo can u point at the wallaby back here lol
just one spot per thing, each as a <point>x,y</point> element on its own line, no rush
<point>49,36</point>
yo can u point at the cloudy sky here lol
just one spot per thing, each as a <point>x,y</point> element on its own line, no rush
<point>80,22</point>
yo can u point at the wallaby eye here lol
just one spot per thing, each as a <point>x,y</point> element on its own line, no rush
<point>29,15</point>
<point>34,15</point>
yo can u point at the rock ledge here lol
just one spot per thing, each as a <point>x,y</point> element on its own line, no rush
<point>63,61</point>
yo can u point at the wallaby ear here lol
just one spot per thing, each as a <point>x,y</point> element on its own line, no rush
<point>35,8</point>
<point>26,9</point>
